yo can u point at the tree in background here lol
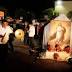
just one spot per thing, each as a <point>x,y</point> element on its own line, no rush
<point>69,15</point>
<point>27,15</point>
<point>20,12</point>
<point>50,12</point>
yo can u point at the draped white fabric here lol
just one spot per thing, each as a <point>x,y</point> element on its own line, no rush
<point>46,35</point>
<point>62,17</point>
<point>52,25</point>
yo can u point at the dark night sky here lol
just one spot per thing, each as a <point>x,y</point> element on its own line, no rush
<point>33,5</point>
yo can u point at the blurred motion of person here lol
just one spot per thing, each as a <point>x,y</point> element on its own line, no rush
<point>31,33</point>
<point>36,24</point>
<point>5,31</point>
<point>10,21</point>
<point>18,23</point>
<point>36,36</point>
<point>32,43</point>
<point>41,30</point>
<point>26,27</point>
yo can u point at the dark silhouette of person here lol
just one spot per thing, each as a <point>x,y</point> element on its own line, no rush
<point>10,44</point>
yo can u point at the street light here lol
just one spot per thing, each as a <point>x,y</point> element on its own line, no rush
<point>59,8</point>
<point>59,2</point>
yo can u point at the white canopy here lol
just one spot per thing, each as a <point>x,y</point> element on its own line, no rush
<point>45,35</point>
<point>61,18</point>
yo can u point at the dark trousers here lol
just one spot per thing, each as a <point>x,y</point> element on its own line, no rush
<point>26,38</point>
<point>10,46</point>
<point>31,42</point>
<point>3,53</point>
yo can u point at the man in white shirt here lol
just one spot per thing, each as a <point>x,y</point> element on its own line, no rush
<point>5,31</point>
<point>31,33</point>
<point>31,30</point>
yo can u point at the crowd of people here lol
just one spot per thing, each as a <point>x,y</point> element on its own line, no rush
<point>33,29</point>
<point>33,34</point>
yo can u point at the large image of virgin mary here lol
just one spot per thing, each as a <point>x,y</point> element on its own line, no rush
<point>57,31</point>
<point>60,31</point>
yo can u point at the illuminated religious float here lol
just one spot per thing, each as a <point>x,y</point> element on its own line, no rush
<point>57,39</point>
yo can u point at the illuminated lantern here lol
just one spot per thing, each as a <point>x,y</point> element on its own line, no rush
<point>19,34</point>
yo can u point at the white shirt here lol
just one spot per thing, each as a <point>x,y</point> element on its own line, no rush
<point>31,31</point>
<point>6,30</point>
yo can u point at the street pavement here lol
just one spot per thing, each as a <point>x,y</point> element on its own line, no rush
<point>21,61</point>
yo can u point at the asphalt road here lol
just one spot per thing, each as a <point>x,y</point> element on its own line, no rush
<point>22,62</point>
